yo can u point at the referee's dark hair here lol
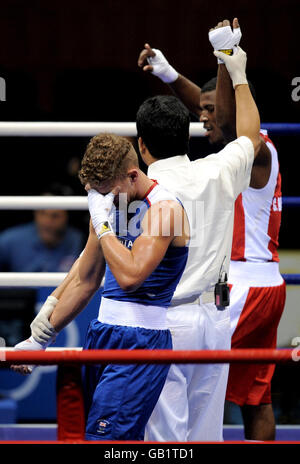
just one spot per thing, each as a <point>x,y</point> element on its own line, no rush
<point>163,123</point>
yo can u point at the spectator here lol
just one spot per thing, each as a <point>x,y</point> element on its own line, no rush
<point>47,244</point>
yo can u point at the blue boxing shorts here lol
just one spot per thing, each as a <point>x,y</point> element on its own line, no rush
<point>119,398</point>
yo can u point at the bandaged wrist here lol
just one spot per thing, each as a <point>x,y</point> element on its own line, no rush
<point>103,228</point>
<point>40,346</point>
<point>41,328</point>
<point>100,208</point>
<point>48,306</point>
<point>225,40</point>
<point>52,300</point>
<point>227,51</point>
<point>161,67</point>
<point>32,345</point>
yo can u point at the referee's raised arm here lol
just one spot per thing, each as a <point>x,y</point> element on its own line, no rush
<point>247,115</point>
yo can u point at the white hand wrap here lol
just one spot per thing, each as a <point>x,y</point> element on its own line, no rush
<point>31,345</point>
<point>161,67</point>
<point>100,207</point>
<point>225,39</point>
<point>236,66</point>
<point>41,329</point>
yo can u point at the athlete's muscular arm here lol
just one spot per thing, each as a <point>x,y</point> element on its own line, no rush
<point>73,294</point>
<point>81,287</point>
<point>41,329</point>
<point>57,293</point>
<point>188,93</point>
<point>247,115</point>
<point>132,267</point>
<point>225,104</point>
<point>186,90</point>
<point>261,169</point>
<point>226,120</point>
<point>225,98</point>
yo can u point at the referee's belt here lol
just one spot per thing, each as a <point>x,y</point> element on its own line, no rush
<point>204,298</point>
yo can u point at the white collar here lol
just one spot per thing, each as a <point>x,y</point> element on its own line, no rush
<point>167,163</point>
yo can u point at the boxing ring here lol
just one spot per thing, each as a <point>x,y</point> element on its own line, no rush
<point>70,409</point>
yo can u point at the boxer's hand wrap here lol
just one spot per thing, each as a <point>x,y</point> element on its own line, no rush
<point>226,40</point>
<point>30,345</point>
<point>41,329</point>
<point>236,66</point>
<point>100,207</point>
<point>161,67</point>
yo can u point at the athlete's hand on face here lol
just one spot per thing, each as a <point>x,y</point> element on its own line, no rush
<point>100,208</point>
<point>157,64</point>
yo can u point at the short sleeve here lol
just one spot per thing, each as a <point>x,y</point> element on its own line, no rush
<point>238,157</point>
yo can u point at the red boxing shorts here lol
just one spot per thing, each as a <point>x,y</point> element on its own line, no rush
<point>255,314</point>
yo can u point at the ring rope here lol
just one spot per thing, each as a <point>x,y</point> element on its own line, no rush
<point>31,279</point>
<point>78,129</point>
<point>87,129</point>
<point>291,279</point>
<point>70,357</point>
<point>53,279</point>
<point>72,202</point>
<point>44,202</point>
<point>70,396</point>
<point>281,128</point>
<point>253,355</point>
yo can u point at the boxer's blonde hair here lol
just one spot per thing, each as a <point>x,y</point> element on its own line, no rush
<point>107,157</point>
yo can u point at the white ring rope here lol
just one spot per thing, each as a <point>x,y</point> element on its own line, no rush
<point>43,202</point>
<point>40,129</point>
<point>78,129</point>
<point>31,279</point>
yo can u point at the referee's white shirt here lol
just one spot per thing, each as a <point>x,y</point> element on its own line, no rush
<point>208,188</point>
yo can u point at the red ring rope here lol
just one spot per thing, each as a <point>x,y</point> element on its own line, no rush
<point>149,356</point>
<point>70,402</point>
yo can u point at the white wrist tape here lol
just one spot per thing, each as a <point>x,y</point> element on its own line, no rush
<point>100,207</point>
<point>162,68</point>
<point>225,39</point>
<point>103,229</point>
<point>41,329</point>
<point>38,346</point>
<point>31,345</point>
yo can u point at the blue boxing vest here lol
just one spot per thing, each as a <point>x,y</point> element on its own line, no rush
<point>159,287</point>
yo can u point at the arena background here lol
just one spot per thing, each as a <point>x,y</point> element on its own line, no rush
<point>77,61</point>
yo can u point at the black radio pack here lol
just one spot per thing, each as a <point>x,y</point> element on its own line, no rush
<point>222,292</point>
<point>222,296</point>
